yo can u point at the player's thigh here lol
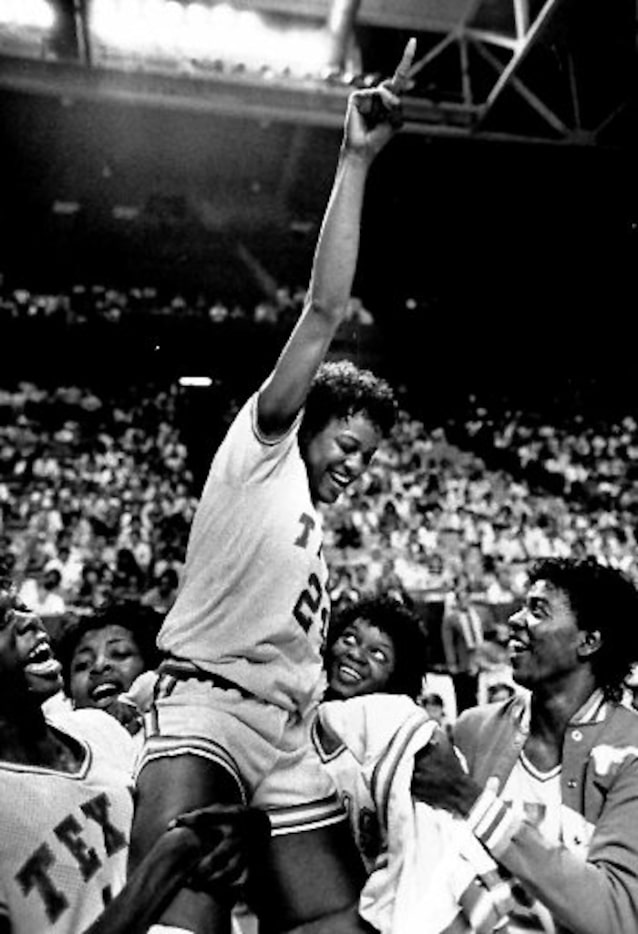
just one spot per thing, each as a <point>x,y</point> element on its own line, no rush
<point>306,876</point>
<point>167,787</point>
<point>170,786</point>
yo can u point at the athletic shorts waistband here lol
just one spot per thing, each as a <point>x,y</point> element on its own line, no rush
<point>183,670</point>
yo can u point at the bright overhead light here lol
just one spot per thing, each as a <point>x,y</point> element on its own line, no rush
<point>125,212</point>
<point>195,381</point>
<point>34,13</point>
<point>65,207</point>
<point>219,32</point>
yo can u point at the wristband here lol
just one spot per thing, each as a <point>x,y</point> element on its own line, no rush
<point>494,823</point>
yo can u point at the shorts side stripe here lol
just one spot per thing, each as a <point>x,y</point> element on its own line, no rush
<point>304,817</point>
<point>167,747</point>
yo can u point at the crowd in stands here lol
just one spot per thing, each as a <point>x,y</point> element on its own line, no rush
<point>96,499</point>
<point>594,463</point>
<point>96,496</point>
<point>84,304</point>
<point>432,514</point>
<point>97,491</point>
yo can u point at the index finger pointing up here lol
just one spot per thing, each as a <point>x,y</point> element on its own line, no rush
<point>401,78</point>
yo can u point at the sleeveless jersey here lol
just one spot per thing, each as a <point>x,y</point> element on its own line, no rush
<point>64,840</point>
<point>253,604</point>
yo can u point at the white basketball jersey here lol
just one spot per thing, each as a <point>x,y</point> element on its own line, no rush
<point>367,728</point>
<point>253,605</point>
<point>64,839</point>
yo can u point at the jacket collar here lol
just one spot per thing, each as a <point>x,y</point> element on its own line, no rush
<point>594,710</point>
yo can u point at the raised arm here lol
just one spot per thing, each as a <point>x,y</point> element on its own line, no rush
<point>372,118</point>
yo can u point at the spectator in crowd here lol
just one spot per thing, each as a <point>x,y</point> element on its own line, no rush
<point>42,593</point>
<point>94,586</point>
<point>69,564</point>
<point>434,706</point>
<point>127,579</point>
<point>437,582</point>
<point>493,658</point>
<point>499,590</point>
<point>551,789</point>
<point>162,596</point>
<point>462,638</point>
<point>66,806</point>
<point>342,588</point>
<point>500,691</point>
<point>237,694</point>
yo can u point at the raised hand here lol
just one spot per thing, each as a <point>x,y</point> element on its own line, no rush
<point>375,114</point>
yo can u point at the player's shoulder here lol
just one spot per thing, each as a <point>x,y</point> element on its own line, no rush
<point>367,724</point>
<point>100,731</point>
<point>371,707</point>
<point>485,718</point>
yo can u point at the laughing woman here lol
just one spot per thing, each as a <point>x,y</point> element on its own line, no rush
<point>66,807</point>
<point>105,655</point>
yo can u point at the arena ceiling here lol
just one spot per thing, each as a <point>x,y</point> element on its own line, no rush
<point>560,71</point>
<point>515,167</point>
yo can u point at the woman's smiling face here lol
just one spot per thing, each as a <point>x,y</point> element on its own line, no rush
<point>27,663</point>
<point>338,454</point>
<point>105,662</point>
<point>544,637</point>
<point>362,660</point>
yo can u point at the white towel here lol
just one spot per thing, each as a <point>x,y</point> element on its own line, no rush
<point>435,876</point>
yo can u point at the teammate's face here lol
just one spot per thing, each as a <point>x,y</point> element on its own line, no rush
<point>338,454</point>
<point>27,664</point>
<point>544,637</point>
<point>362,660</point>
<point>105,663</point>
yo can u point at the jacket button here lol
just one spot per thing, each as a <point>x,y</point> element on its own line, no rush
<point>572,783</point>
<point>577,736</point>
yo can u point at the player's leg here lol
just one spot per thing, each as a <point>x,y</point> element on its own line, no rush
<point>312,871</point>
<point>167,787</point>
<point>310,878</point>
<point>205,744</point>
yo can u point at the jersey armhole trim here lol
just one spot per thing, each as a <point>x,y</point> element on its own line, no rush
<point>261,438</point>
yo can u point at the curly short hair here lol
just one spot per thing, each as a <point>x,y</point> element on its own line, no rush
<point>341,389</point>
<point>141,621</point>
<point>603,599</point>
<point>401,625</point>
